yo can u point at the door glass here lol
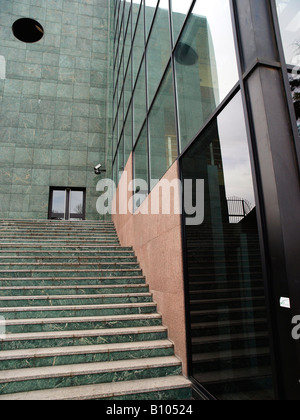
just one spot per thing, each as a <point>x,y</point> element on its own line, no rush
<point>76,205</point>
<point>289,18</point>
<point>58,204</point>
<point>230,353</point>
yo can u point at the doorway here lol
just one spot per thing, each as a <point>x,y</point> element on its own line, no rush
<point>67,203</point>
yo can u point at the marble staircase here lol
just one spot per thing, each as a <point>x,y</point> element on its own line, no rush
<point>80,320</point>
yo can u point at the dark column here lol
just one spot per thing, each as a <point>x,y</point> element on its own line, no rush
<point>277,171</point>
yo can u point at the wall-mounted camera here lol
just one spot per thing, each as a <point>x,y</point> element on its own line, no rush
<point>98,170</point>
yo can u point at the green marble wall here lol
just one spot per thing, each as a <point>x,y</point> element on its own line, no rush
<point>54,122</point>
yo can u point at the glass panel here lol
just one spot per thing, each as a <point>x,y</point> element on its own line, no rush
<point>127,46</point>
<point>120,160</point>
<point>76,205</point>
<point>150,10</point>
<point>229,328</point>
<point>179,11</point>
<point>163,142</point>
<point>127,89</point>
<point>206,66</point>
<point>58,204</point>
<point>135,11</point>
<point>295,88</point>
<point>141,167</point>
<point>128,135</point>
<point>158,50</point>
<point>289,19</point>
<point>138,45</point>
<point>139,102</point>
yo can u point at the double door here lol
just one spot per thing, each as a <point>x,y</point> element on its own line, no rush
<point>67,204</point>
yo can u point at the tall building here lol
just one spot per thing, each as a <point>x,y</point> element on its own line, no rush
<point>192,107</point>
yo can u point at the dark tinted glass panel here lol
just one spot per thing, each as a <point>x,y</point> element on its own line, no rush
<point>159,49</point>
<point>289,18</point>
<point>295,88</point>
<point>229,331</point>
<point>206,66</point>
<point>58,204</point>
<point>76,205</point>
<point>141,168</point>
<point>163,143</point>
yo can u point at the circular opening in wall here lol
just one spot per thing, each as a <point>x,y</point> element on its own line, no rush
<point>28,30</point>
<point>185,54</point>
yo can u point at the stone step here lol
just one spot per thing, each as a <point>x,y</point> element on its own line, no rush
<point>18,260</point>
<point>46,312</point>
<point>88,373</point>
<point>14,326</point>
<point>70,273</point>
<point>37,254</point>
<point>20,246</point>
<point>61,242</point>
<point>70,281</point>
<point>72,290</point>
<point>83,337</point>
<point>15,267</point>
<point>170,388</point>
<point>59,223</point>
<point>56,356</point>
<point>58,300</point>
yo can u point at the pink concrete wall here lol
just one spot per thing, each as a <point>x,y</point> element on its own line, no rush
<point>156,240</point>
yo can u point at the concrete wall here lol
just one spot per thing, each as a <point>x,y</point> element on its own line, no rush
<point>156,240</point>
<point>53,96</point>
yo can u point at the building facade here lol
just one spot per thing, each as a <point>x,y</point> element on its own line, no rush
<point>202,92</point>
<point>54,118</point>
<point>193,109</point>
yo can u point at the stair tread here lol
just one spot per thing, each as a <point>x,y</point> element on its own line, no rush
<point>75,307</point>
<point>35,321</point>
<point>105,391</point>
<point>58,297</point>
<point>75,350</point>
<point>83,333</point>
<point>85,368</point>
<point>76,287</point>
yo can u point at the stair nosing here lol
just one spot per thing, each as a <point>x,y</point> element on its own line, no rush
<point>107,390</point>
<point>8,376</point>
<point>78,350</point>
<point>82,333</point>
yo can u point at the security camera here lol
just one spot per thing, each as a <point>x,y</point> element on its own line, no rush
<point>98,170</point>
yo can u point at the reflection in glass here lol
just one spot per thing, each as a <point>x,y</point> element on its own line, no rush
<point>150,10</point>
<point>295,88</point>
<point>58,204</point>
<point>289,19</point>
<point>158,50</point>
<point>138,45</point>
<point>206,67</point>
<point>128,136</point>
<point>76,205</point>
<point>163,143</point>
<point>229,330</point>
<point>141,167</point>
<point>180,9</point>
<point>121,158</point>
<point>139,101</point>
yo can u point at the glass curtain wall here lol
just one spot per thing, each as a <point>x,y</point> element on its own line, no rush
<point>179,43</point>
<point>229,339</point>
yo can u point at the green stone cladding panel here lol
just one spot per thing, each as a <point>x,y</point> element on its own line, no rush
<point>54,121</point>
